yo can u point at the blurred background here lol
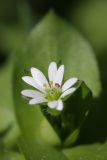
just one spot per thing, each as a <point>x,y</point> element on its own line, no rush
<point>17,18</point>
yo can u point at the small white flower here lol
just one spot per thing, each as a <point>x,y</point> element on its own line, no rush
<point>50,92</point>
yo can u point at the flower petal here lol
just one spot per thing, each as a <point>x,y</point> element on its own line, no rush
<point>39,77</point>
<point>69,83</point>
<point>38,100</point>
<point>59,75</point>
<point>60,105</point>
<point>29,80</point>
<point>31,93</point>
<point>52,71</point>
<point>67,92</point>
<point>52,104</point>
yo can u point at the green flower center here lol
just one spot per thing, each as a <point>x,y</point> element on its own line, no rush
<point>53,93</point>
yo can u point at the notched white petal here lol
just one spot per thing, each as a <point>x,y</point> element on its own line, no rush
<point>52,104</point>
<point>69,83</point>
<point>60,105</point>
<point>38,100</point>
<point>29,80</point>
<point>31,93</point>
<point>68,92</point>
<point>39,77</point>
<point>52,71</point>
<point>59,75</point>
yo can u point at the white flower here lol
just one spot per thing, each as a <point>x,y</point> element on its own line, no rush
<point>50,92</point>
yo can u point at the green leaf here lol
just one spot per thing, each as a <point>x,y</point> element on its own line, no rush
<point>90,18</point>
<point>5,85</point>
<point>57,40</point>
<point>9,155</point>
<point>78,57</point>
<point>40,151</point>
<point>9,131</point>
<point>12,36</point>
<point>76,109</point>
<point>87,152</point>
<point>53,39</point>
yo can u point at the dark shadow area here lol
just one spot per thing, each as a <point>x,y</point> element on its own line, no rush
<point>95,127</point>
<point>3,58</point>
<point>60,6</point>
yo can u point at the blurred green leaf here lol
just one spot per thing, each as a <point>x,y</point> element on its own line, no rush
<point>6,86</point>
<point>9,155</point>
<point>40,151</point>
<point>13,35</point>
<point>90,17</point>
<point>78,57</point>
<point>87,152</point>
<point>7,117</point>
